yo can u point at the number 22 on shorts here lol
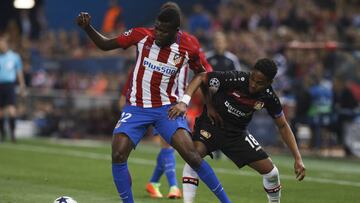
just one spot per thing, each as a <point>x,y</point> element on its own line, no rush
<point>123,119</point>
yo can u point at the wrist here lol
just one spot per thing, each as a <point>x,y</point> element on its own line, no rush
<point>186,99</point>
<point>87,27</point>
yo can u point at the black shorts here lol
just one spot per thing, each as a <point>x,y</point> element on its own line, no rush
<point>7,94</point>
<point>241,147</point>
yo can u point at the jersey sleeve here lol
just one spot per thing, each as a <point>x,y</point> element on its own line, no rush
<point>204,62</point>
<point>131,37</point>
<point>273,105</point>
<point>221,80</point>
<point>195,58</point>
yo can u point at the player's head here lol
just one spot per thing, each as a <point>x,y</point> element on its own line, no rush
<point>171,4</point>
<point>167,25</point>
<point>4,43</point>
<point>262,75</point>
<point>220,43</point>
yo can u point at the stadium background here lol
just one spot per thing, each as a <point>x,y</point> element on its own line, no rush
<point>73,87</point>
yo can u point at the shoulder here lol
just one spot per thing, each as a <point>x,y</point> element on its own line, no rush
<point>239,76</point>
<point>139,31</point>
<point>271,95</point>
<point>209,54</point>
<point>231,56</point>
<point>13,54</point>
<point>189,42</point>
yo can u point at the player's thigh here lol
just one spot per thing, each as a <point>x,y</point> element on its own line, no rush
<point>208,138</point>
<point>7,95</point>
<point>243,149</point>
<point>263,166</point>
<point>11,109</point>
<point>181,141</point>
<point>167,127</point>
<point>134,122</point>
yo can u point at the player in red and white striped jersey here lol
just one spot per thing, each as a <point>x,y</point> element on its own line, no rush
<point>166,159</point>
<point>162,52</point>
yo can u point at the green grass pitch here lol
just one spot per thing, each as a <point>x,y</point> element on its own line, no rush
<point>40,170</point>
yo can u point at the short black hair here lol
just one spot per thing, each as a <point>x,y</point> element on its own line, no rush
<point>267,67</point>
<point>171,4</point>
<point>169,14</point>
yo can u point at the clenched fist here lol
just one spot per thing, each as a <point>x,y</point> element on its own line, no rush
<point>83,19</point>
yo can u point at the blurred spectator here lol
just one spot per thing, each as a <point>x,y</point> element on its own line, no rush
<point>219,58</point>
<point>344,105</point>
<point>113,18</point>
<point>199,23</point>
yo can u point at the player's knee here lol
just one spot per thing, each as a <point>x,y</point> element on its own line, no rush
<point>193,159</point>
<point>118,157</point>
<point>271,181</point>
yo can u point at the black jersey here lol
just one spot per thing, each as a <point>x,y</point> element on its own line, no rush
<point>235,104</point>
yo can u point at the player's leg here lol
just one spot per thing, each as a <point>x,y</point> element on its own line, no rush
<point>12,121</point>
<point>3,104</point>
<point>271,178</point>
<point>165,163</point>
<point>153,186</point>
<point>127,133</point>
<point>2,125</point>
<point>176,133</point>
<point>169,166</point>
<point>182,142</point>
<point>121,148</point>
<point>190,178</point>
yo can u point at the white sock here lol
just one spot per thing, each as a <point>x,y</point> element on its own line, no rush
<point>272,185</point>
<point>190,184</point>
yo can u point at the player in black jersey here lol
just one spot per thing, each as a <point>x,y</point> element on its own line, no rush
<point>234,97</point>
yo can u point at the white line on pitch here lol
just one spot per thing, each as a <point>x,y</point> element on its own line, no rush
<point>92,155</point>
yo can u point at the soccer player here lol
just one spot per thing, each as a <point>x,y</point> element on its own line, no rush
<point>236,95</point>
<point>166,162</point>
<point>162,52</point>
<point>10,69</point>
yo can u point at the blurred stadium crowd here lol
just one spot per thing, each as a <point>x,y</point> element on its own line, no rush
<point>315,43</point>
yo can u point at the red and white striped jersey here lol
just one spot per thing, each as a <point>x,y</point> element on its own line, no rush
<point>154,81</point>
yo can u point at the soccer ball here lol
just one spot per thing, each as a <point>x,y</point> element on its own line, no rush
<point>65,199</point>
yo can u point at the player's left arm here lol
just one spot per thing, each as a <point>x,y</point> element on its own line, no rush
<point>20,76</point>
<point>289,138</point>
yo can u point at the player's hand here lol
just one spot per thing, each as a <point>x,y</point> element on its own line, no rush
<point>299,170</point>
<point>214,116</point>
<point>177,110</point>
<point>22,91</point>
<point>83,19</point>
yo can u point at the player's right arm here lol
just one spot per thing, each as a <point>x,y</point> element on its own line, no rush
<point>200,79</point>
<point>102,42</point>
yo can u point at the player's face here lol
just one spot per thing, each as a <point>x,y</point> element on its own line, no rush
<point>258,82</point>
<point>164,33</point>
<point>3,45</point>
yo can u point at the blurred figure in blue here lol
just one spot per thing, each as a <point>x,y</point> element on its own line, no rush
<point>10,70</point>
